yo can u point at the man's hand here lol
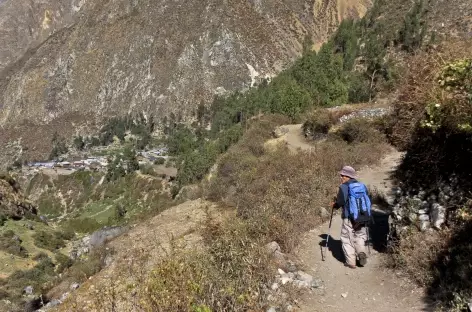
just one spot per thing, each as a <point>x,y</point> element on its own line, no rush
<point>332,203</point>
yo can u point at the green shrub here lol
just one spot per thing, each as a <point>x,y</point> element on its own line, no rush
<point>182,140</point>
<point>49,241</point>
<point>41,273</point>
<point>63,262</point>
<point>40,256</point>
<point>359,130</point>
<point>79,143</point>
<point>3,219</point>
<point>119,213</point>
<point>49,204</point>
<point>4,294</point>
<point>360,90</point>
<point>159,161</point>
<point>59,146</point>
<point>66,234</point>
<point>11,244</point>
<point>147,169</point>
<point>414,27</point>
<point>318,123</point>
<point>82,225</point>
<point>82,270</point>
<point>122,165</point>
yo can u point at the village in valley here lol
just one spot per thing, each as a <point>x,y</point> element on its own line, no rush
<point>69,164</point>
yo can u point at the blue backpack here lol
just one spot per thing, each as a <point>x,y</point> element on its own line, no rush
<point>358,202</point>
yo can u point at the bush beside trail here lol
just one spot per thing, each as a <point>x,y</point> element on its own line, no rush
<point>432,123</point>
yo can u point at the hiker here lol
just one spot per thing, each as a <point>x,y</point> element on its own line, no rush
<point>355,203</point>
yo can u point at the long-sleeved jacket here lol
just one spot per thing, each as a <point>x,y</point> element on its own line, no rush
<point>342,198</point>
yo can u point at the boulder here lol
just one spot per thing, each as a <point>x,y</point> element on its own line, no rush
<point>412,217</point>
<point>415,204</point>
<point>324,213</point>
<point>28,290</point>
<point>51,304</point>
<point>43,219</point>
<point>64,297</point>
<point>302,284</point>
<point>272,247</point>
<point>423,217</point>
<point>280,131</point>
<point>189,192</point>
<point>316,283</point>
<point>80,248</point>
<point>100,237</point>
<point>16,238</point>
<point>304,277</point>
<point>438,215</point>
<point>290,266</point>
<point>421,194</point>
<point>425,225</point>
<point>285,278</point>
<point>74,286</point>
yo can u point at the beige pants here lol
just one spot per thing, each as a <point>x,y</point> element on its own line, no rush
<point>353,242</point>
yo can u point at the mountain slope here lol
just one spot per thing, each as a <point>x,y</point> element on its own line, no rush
<point>166,56</point>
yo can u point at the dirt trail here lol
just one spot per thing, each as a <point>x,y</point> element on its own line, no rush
<point>294,137</point>
<point>373,288</point>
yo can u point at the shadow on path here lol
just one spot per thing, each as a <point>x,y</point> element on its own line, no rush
<point>334,245</point>
<point>378,233</point>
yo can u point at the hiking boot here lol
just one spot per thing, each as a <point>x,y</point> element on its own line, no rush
<point>350,266</point>
<point>362,259</point>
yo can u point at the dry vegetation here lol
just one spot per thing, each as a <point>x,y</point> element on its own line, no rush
<point>271,195</point>
<point>420,87</point>
<point>432,123</point>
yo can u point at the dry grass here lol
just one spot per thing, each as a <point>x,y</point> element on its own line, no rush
<point>227,274</point>
<point>280,193</point>
<point>438,260</point>
<point>416,252</point>
<point>272,195</point>
<point>420,87</point>
<point>359,130</point>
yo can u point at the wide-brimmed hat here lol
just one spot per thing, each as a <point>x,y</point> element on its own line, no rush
<point>348,171</point>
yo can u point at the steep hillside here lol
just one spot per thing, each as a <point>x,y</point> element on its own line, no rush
<point>233,249</point>
<point>13,204</point>
<point>26,24</point>
<point>159,57</point>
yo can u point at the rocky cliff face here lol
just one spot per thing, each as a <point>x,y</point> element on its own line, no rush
<point>82,60</point>
<point>25,24</point>
<point>13,204</point>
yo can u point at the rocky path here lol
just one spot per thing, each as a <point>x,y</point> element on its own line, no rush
<point>372,288</point>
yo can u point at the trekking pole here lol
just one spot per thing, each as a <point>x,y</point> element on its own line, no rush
<point>329,232</point>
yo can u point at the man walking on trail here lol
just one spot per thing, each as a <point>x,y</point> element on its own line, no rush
<point>353,232</point>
